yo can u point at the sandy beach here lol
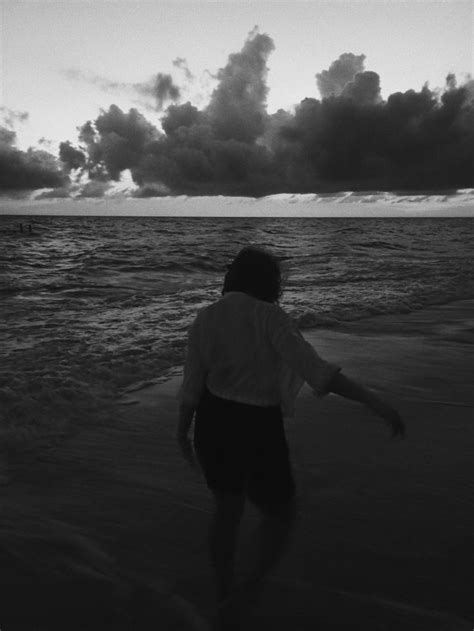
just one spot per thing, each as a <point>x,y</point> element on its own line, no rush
<point>108,528</point>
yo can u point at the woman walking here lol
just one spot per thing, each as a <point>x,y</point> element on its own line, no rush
<point>246,361</point>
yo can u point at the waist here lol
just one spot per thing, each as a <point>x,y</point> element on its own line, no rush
<point>241,399</point>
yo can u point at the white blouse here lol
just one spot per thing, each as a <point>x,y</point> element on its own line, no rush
<point>250,351</point>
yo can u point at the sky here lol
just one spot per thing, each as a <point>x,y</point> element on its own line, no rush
<point>62,62</point>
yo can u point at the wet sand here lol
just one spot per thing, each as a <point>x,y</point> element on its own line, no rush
<point>108,529</point>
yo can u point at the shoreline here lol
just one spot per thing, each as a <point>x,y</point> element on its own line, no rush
<point>110,525</point>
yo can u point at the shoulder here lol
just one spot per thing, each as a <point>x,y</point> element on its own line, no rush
<point>278,314</point>
<point>198,320</point>
<point>278,320</point>
<point>242,302</point>
<point>201,316</point>
<point>269,312</point>
<point>205,315</point>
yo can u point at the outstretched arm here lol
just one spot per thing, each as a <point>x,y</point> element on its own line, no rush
<point>323,376</point>
<point>349,389</point>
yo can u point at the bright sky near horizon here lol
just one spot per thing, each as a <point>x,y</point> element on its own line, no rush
<point>56,57</point>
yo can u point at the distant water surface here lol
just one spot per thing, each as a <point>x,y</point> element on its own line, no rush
<point>92,306</point>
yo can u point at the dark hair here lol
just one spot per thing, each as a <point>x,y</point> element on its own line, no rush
<point>256,272</point>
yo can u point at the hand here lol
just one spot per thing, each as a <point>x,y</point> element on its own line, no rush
<point>389,414</point>
<point>187,450</point>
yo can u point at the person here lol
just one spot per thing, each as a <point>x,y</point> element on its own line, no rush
<point>245,364</point>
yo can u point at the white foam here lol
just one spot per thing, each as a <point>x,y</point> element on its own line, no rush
<point>341,204</point>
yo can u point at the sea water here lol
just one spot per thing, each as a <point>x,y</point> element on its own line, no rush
<point>92,307</point>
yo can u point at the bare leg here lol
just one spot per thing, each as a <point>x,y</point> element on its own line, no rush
<point>223,540</point>
<point>273,537</point>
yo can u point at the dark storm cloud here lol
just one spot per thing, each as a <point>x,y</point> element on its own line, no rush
<point>414,140</point>
<point>24,170</point>
<point>71,157</point>
<point>364,88</point>
<point>214,150</point>
<point>332,82</point>
<point>348,139</point>
<point>29,169</point>
<point>469,87</point>
<point>185,115</point>
<point>115,141</point>
<point>451,82</point>
<point>7,137</point>
<point>238,104</point>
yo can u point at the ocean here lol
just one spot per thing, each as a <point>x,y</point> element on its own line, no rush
<point>95,307</point>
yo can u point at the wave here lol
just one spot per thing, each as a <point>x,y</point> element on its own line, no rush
<point>126,204</point>
<point>49,288</point>
<point>313,319</point>
<point>80,384</point>
<point>387,197</point>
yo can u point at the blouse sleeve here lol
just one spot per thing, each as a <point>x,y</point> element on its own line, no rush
<point>299,354</point>
<point>194,376</point>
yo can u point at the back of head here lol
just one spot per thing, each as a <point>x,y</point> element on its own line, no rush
<point>256,272</point>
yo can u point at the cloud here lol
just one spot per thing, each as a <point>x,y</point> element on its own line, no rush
<point>7,137</point>
<point>177,116</point>
<point>55,193</point>
<point>182,64</point>
<point>364,88</point>
<point>414,140</point>
<point>71,157</point>
<point>214,149</point>
<point>332,82</point>
<point>94,189</point>
<point>468,86</point>
<point>237,109</point>
<point>451,81</point>
<point>92,78</point>
<point>160,88</point>
<point>26,170</point>
<point>349,139</point>
<point>114,142</point>
<point>46,143</point>
<point>11,117</point>
<point>153,189</point>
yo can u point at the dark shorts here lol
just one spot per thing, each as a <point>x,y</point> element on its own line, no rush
<point>243,449</point>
